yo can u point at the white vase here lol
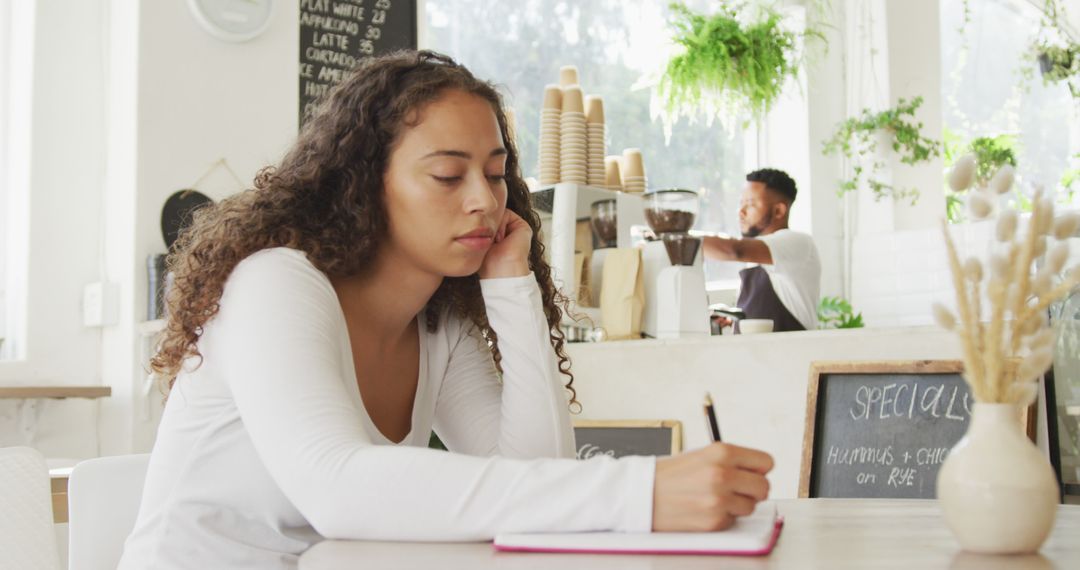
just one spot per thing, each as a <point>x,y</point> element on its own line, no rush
<point>997,491</point>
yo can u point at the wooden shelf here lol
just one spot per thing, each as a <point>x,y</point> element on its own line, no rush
<point>22,392</point>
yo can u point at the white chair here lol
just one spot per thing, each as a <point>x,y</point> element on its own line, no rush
<point>103,502</point>
<point>27,538</point>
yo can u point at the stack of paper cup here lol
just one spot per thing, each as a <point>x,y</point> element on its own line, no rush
<point>550,120</point>
<point>597,148</point>
<point>568,76</point>
<point>633,171</point>
<point>612,175</point>
<point>573,141</point>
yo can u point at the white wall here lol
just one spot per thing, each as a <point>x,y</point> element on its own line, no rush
<point>898,275</point>
<point>61,232</point>
<point>131,102</point>
<point>197,99</point>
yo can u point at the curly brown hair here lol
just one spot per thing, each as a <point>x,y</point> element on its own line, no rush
<point>326,198</point>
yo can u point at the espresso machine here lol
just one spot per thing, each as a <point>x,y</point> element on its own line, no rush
<point>676,304</point>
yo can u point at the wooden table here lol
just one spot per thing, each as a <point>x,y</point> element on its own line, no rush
<point>818,533</point>
<point>59,477</point>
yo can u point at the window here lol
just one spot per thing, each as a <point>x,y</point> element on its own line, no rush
<point>15,77</point>
<point>991,86</point>
<point>521,45</point>
<point>5,179</point>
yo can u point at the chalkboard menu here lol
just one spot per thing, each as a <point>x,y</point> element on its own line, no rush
<point>631,437</point>
<point>881,429</point>
<point>334,34</point>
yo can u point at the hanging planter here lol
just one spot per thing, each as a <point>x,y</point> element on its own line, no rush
<point>728,67</point>
<point>1055,51</point>
<point>875,134</point>
<point>1057,63</point>
<point>1046,65</point>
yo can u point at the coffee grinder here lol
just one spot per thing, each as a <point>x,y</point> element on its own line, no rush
<point>604,221</point>
<point>681,302</point>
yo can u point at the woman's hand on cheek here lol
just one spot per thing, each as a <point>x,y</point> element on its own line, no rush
<point>509,254</point>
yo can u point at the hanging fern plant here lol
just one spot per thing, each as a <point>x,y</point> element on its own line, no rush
<point>896,128</point>
<point>727,68</point>
<point>1057,54</point>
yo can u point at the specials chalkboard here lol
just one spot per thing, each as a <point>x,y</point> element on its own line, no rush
<point>882,429</point>
<point>619,438</point>
<point>335,34</point>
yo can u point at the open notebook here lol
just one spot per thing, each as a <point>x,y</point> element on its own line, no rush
<point>754,535</point>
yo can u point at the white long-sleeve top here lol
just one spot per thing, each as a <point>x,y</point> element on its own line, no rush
<point>265,448</point>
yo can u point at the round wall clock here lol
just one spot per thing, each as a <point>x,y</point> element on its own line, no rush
<point>233,20</point>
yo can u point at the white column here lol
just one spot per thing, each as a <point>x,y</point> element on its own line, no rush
<point>119,368</point>
<point>914,66</point>
<point>825,108</point>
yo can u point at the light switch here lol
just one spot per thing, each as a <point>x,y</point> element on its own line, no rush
<point>101,304</point>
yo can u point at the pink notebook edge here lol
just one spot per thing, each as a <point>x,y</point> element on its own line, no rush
<point>777,527</point>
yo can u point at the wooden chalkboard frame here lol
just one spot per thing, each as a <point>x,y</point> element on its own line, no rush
<point>674,425</point>
<point>826,367</point>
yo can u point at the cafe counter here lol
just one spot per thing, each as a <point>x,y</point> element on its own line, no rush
<point>758,382</point>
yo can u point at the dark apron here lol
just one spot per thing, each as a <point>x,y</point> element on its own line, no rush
<point>758,300</point>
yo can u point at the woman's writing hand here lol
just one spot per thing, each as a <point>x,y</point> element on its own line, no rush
<point>509,254</point>
<point>705,490</point>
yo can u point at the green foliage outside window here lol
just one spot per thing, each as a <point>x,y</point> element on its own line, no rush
<point>859,136</point>
<point>836,313</point>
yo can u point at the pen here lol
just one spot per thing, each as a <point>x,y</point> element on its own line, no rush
<point>710,415</point>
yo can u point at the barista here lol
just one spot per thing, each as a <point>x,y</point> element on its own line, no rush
<point>784,280</point>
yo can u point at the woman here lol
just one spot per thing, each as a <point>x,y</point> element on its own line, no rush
<point>369,289</point>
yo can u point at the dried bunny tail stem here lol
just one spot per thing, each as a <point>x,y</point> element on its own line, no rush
<point>1044,339</point>
<point>973,269</point>
<point>1022,270</point>
<point>1034,364</point>
<point>978,334</point>
<point>1056,293</point>
<point>945,319</point>
<point>1057,257</point>
<point>965,328</point>
<point>980,205</point>
<point>1005,229</point>
<point>1066,225</point>
<point>993,347</point>
<point>1022,394</point>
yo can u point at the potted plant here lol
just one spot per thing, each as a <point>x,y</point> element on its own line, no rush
<point>727,67</point>
<point>895,128</point>
<point>836,313</point>
<point>997,492</point>
<point>1058,56</point>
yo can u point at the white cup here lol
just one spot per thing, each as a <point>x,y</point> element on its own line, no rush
<point>754,326</point>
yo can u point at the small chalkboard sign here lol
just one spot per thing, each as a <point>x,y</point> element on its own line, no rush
<point>335,34</point>
<point>619,438</point>
<point>882,429</point>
